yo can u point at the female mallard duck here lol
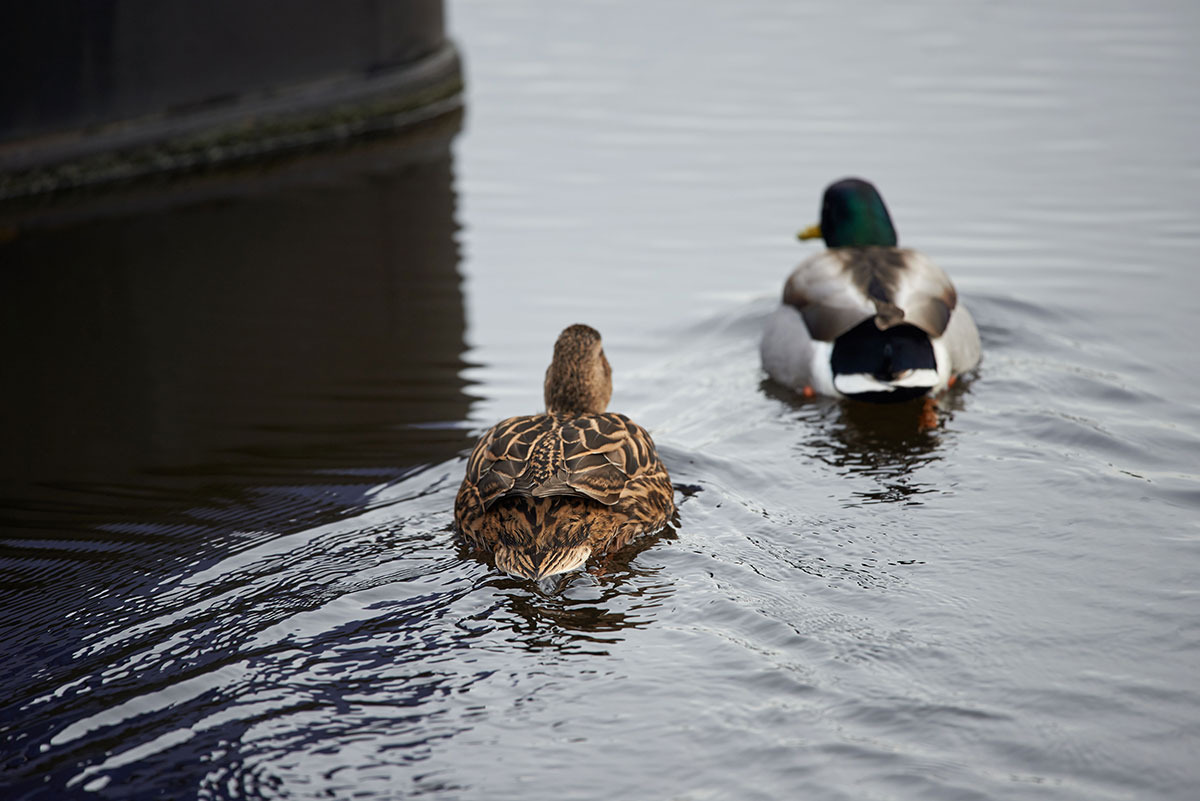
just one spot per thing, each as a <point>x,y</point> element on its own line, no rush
<point>544,492</point>
<point>867,319</point>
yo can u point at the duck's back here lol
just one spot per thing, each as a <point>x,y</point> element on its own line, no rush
<point>558,483</point>
<point>836,290</point>
<point>538,456</point>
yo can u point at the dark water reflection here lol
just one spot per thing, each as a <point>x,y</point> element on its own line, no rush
<point>196,373</point>
<point>237,331</point>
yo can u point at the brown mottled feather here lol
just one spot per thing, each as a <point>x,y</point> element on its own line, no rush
<point>538,486</point>
<point>839,288</point>
<point>544,492</point>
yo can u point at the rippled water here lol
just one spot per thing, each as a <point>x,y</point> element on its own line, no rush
<point>234,427</point>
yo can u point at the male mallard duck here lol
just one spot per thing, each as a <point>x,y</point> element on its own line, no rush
<point>544,492</point>
<point>867,319</point>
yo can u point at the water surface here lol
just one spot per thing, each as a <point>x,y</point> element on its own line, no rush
<point>237,426</point>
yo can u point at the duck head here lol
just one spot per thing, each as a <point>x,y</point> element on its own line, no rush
<point>853,215</point>
<point>579,378</point>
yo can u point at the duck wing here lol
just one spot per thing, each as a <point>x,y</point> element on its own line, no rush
<point>593,456</point>
<point>836,290</point>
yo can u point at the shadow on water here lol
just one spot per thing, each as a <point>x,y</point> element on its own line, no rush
<point>193,371</point>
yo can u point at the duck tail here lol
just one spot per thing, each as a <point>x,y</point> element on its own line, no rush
<point>540,564</point>
<point>884,365</point>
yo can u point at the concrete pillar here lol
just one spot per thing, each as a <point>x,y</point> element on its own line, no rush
<point>109,91</point>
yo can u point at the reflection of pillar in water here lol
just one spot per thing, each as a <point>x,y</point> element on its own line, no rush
<point>287,298</point>
<point>310,313</point>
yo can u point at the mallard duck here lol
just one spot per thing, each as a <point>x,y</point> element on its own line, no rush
<point>545,492</point>
<point>867,319</point>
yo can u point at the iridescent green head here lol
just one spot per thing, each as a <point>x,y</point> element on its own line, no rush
<point>853,215</point>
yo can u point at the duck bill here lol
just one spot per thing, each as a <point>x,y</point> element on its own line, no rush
<point>811,232</point>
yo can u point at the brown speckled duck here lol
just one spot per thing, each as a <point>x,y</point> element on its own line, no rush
<point>545,492</point>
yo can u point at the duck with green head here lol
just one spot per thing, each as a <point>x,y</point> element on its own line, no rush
<point>867,319</point>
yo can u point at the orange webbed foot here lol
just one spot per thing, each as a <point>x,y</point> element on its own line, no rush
<point>929,415</point>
